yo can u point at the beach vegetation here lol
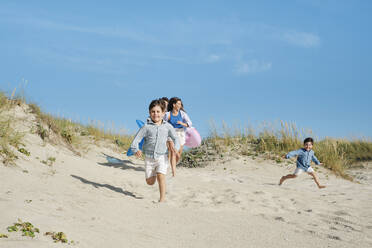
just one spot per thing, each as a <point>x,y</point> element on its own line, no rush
<point>24,151</point>
<point>3,236</point>
<point>9,137</point>
<point>52,129</point>
<point>58,237</point>
<point>25,227</point>
<point>49,161</point>
<point>274,140</point>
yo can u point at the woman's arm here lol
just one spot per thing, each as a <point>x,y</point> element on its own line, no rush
<point>174,137</point>
<point>186,119</point>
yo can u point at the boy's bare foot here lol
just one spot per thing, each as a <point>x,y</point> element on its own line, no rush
<point>161,200</point>
<point>321,186</point>
<point>281,181</point>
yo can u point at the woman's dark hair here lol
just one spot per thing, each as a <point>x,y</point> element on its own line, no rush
<point>157,102</point>
<point>174,100</point>
<point>309,140</point>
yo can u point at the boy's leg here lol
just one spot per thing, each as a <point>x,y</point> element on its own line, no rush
<point>297,172</point>
<point>161,182</point>
<point>161,172</point>
<point>150,172</point>
<point>151,180</point>
<point>286,177</point>
<point>316,180</point>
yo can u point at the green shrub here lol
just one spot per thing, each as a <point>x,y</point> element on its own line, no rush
<point>25,227</point>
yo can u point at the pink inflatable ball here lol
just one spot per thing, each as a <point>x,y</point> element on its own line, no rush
<point>193,138</point>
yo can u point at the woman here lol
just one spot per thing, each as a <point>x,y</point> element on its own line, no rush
<point>178,118</point>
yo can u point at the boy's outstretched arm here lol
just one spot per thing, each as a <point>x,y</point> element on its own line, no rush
<point>315,160</point>
<point>137,139</point>
<point>293,153</point>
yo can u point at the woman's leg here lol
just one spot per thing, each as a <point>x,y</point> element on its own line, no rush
<point>171,156</point>
<point>180,151</point>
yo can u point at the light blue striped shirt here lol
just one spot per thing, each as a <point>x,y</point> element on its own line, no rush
<point>304,158</point>
<point>155,136</point>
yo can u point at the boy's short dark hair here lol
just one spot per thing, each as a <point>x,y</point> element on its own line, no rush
<point>309,139</point>
<point>157,102</point>
<point>164,98</point>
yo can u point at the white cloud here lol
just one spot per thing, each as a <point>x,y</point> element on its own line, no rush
<point>252,66</point>
<point>170,58</point>
<point>212,58</point>
<point>291,36</point>
<point>301,38</point>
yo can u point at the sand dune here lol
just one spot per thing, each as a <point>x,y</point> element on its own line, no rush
<point>101,200</point>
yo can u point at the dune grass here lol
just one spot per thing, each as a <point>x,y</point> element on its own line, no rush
<point>271,140</point>
<point>72,132</point>
<point>50,128</point>
<point>9,137</point>
<point>274,140</point>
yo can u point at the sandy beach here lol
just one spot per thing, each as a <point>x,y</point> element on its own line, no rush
<point>100,199</point>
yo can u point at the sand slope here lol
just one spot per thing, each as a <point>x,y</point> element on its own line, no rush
<point>101,200</point>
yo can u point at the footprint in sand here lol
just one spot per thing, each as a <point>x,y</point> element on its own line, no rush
<point>340,212</point>
<point>279,218</point>
<point>333,237</point>
<point>311,231</point>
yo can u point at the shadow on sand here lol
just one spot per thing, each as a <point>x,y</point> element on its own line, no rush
<point>120,164</point>
<point>99,185</point>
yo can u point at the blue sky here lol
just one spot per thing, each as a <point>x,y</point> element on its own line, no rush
<point>301,61</point>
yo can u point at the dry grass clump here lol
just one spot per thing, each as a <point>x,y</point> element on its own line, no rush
<point>9,137</point>
<point>47,123</point>
<point>98,131</point>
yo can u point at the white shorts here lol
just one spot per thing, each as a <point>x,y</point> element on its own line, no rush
<point>156,165</point>
<point>181,136</point>
<point>298,171</point>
